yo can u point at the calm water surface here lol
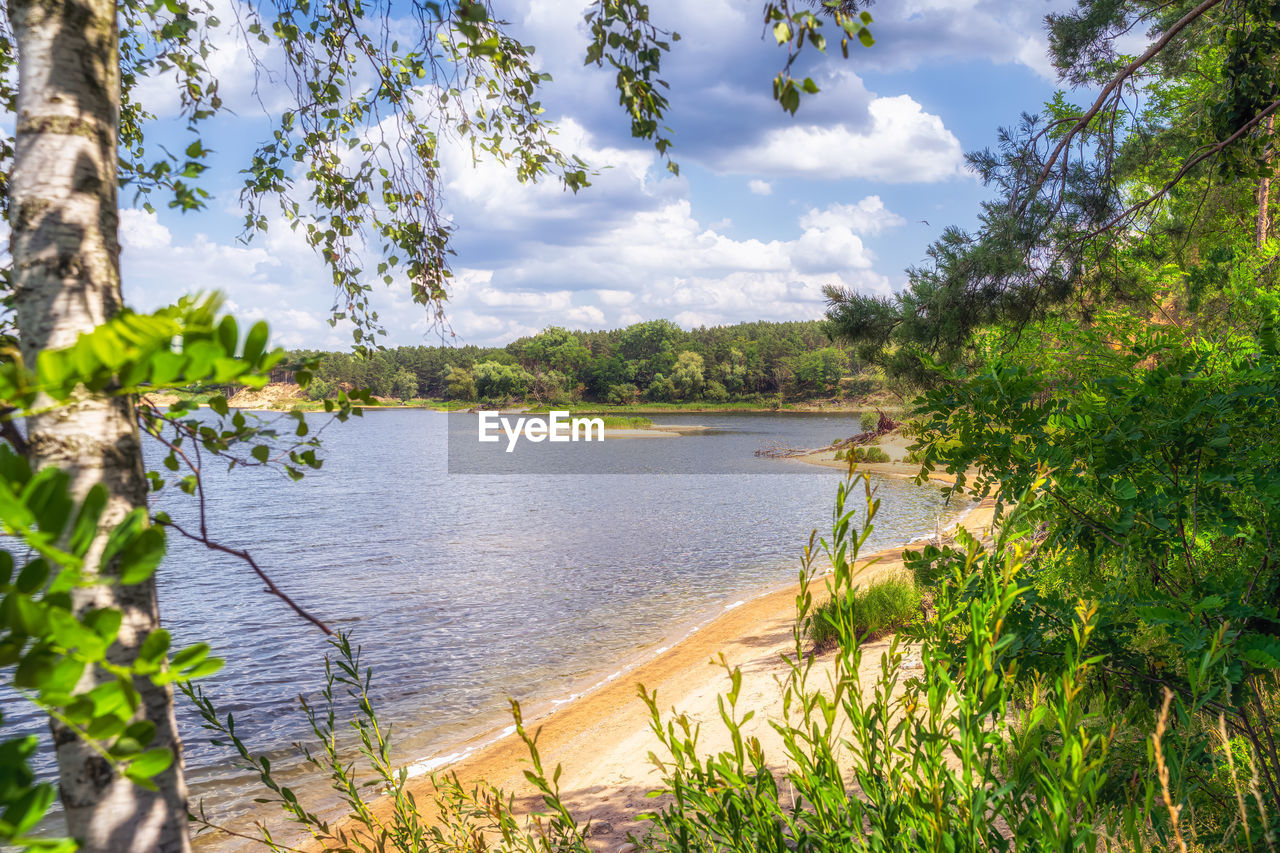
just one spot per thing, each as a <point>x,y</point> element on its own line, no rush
<point>466,589</point>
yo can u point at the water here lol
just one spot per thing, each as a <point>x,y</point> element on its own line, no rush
<point>466,589</point>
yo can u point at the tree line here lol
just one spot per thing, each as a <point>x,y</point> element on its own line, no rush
<point>653,361</point>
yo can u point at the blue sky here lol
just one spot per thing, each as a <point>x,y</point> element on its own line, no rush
<point>767,209</point>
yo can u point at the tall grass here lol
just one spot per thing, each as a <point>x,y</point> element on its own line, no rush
<point>868,613</point>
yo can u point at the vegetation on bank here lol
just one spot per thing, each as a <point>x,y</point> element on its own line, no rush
<point>752,365</point>
<point>870,612</point>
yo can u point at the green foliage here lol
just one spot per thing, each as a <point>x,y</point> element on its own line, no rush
<point>1179,164</point>
<point>500,382</point>
<point>65,659</point>
<point>798,29</point>
<point>818,372</point>
<point>623,422</point>
<point>462,815</point>
<point>1156,482</point>
<point>859,453</point>
<point>404,385</point>
<point>880,608</point>
<point>461,384</point>
<point>622,394</point>
<point>867,421</point>
<point>956,750</point>
<point>57,656</point>
<point>949,754</point>
<point>715,393</point>
<point>722,364</point>
<point>623,35</point>
<point>661,389</point>
<point>320,389</point>
<point>686,379</point>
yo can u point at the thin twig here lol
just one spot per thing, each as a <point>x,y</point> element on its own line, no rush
<point>248,558</point>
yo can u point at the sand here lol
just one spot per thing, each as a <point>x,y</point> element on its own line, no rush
<point>602,739</point>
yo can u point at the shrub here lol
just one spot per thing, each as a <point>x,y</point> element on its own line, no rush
<point>863,454</point>
<point>868,421</point>
<point>623,394</point>
<point>881,608</point>
<point>320,389</point>
<point>716,392</point>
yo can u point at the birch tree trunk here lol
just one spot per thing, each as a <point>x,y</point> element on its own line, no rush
<point>66,281</point>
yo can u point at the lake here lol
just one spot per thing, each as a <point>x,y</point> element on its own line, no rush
<point>465,588</point>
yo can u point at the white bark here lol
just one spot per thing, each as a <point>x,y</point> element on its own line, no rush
<point>66,275</point>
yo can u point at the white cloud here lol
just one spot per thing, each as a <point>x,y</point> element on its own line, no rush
<point>868,216</point>
<point>1005,32</point>
<point>759,187</point>
<point>904,145</point>
<point>664,263</point>
<point>142,231</point>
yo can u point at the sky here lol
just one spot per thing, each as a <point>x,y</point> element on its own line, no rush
<point>767,209</point>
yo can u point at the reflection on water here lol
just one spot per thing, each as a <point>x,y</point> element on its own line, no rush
<point>466,589</point>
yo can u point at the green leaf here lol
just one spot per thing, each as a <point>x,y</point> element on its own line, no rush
<point>151,763</point>
<point>86,525</point>
<point>255,343</point>
<point>26,811</point>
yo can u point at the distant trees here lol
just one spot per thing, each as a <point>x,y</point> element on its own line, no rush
<point>461,384</point>
<point>497,381</point>
<point>687,379</point>
<point>404,385</point>
<point>655,360</point>
<point>820,371</point>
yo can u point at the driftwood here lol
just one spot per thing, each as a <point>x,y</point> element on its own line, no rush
<point>778,450</point>
<point>884,426</point>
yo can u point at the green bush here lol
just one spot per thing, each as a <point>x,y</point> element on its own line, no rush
<point>320,389</point>
<point>868,421</point>
<point>882,607</point>
<point>864,454</point>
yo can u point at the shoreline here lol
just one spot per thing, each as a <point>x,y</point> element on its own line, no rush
<point>536,711</point>
<point>600,733</point>
<point>802,407</point>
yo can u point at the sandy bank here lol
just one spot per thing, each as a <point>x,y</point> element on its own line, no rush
<point>655,431</point>
<point>602,739</point>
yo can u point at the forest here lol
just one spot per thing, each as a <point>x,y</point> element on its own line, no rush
<point>656,361</point>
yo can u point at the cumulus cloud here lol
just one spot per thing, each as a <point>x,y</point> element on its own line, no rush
<point>903,145</point>
<point>665,263</point>
<point>867,217</point>
<point>759,187</point>
<point>1005,32</point>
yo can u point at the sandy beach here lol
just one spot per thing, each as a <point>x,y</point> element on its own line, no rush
<point>602,739</point>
